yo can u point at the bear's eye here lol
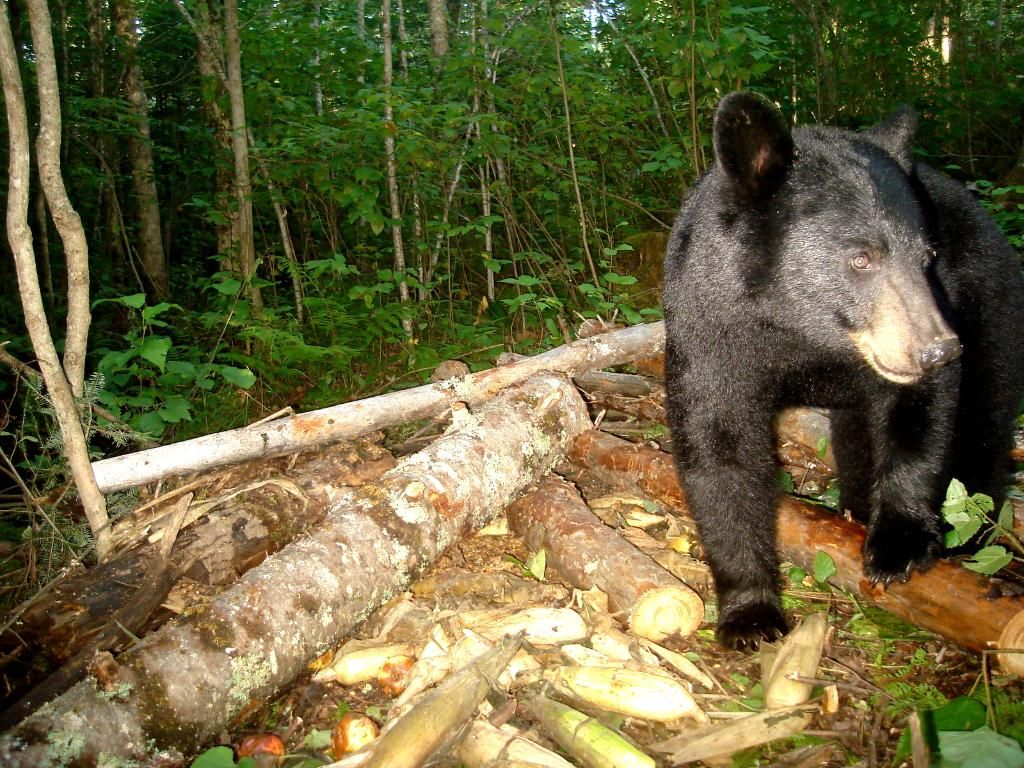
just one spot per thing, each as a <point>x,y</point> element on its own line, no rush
<point>929,256</point>
<point>861,261</point>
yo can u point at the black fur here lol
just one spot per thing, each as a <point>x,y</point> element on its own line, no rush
<point>780,257</point>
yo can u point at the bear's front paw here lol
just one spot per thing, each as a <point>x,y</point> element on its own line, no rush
<point>743,627</point>
<point>896,547</point>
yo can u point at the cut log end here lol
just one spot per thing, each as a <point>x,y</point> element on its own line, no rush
<point>666,612</point>
<point>1011,641</point>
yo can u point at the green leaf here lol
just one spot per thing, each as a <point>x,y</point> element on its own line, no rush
<point>155,349</point>
<point>157,309</point>
<point>616,279</point>
<point>229,287</point>
<point>956,492</point>
<point>135,300</point>
<point>1006,517</point>
<point>824,567</point>
<point>217,757</point>
<point>242,378</point>
<point>149,422</point>
<point>981,748</point>
<point>822,446</point>
<point>989,560</point>
<point>174,410</point>
<point>317,739</point>
<point>536,564</point>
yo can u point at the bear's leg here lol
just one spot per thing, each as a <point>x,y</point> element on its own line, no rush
<point>727,469</point>
<point>851,444</point>
<point>913,446</point>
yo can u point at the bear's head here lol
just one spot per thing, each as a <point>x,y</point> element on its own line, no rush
<point>839,219</point>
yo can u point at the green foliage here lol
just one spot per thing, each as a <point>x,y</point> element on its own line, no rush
<point>958,733</point>
<point>970,515</point>
<point>1006,204</point>
<point>150,380</point>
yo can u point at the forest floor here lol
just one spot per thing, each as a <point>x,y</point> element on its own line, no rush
<point>883,669</point>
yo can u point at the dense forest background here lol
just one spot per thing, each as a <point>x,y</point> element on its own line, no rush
<point>300,203</point>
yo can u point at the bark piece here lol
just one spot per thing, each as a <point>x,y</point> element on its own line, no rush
<point>184,683</point>
<point>947,599</point>
<point>337,422</point>
<point>588,553</point>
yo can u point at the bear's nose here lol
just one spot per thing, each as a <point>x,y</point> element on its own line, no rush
<point>940,352</point>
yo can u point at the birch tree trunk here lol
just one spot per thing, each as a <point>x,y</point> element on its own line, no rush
<point>151,249</point>
<point>180,686</point>
<point>61,380</point>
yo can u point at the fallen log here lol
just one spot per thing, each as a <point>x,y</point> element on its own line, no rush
<point>947,599</point>
<point>337,422</point>
<point>588,553</point>
<point>181,685</point>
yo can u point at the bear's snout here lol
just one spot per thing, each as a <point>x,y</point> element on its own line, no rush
<point>940,352</point>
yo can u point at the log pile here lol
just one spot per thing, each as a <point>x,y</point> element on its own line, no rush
<point>307,551</point>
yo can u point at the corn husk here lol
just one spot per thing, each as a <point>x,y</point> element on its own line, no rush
<point>679,663</point>
<point>589,742</point>
<point>616,644</point>
<point>542,626</point>
<point>432,723</point>
<point>485,744</point>
<point>361,665</point>
<point>629,692</point>
<point>798,654</point>
<point>583,656</point>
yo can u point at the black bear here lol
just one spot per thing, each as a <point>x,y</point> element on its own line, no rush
<point>827,268</point>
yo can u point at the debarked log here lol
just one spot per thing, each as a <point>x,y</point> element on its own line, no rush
<point>589,554</point>
<point>947,599</point>
<point>184,683</point>
<point>338,422</point>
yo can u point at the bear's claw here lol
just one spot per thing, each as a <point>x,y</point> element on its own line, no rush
<point>744,628</point>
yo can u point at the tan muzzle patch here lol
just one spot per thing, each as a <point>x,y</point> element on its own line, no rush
<point>907,336</point>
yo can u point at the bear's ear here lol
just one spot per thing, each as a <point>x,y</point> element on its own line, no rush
<point>896,136</point>
<point>752,143</point>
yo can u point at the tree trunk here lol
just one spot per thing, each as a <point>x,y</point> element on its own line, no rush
<point>66,219</point>
<point>180,686</point>
<point>947,599</point>
<point>240,152</point>
<point>438,28</point>
<point>62,382</point>
<point>351,419</point>
<point>210,62</point>
<point>390,129</point>
<point>151,249</point>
